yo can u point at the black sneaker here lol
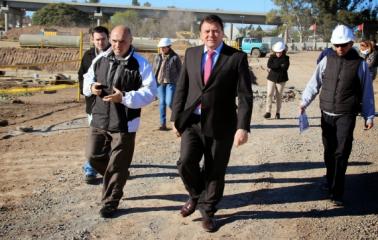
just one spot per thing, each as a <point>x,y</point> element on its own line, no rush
<point>267,115</point>
<point>107,211</point>
<point>90,179</point>
<point>163,128</point>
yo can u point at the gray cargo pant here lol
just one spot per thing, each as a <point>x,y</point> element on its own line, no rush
<point>110,154</point>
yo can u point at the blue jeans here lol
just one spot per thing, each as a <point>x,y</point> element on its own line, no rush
<point>88,169</point>
<point>165,95</point>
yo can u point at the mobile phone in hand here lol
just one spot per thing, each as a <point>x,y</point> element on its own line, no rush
<point>100,86</point>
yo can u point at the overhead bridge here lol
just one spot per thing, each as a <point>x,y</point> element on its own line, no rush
<point>100,9</point>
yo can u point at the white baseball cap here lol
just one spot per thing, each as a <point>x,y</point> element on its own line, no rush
<point>278,46</point>
<point>164,42</point>
<point>342,34</point>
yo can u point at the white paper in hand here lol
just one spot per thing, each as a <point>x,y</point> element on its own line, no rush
<point>303,122</point>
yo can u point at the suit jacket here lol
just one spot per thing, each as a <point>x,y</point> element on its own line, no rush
<point>230,78</point>
<point>86,62</point>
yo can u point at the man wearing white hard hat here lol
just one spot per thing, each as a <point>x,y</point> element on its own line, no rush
<point>278,64</point>
<point>167,66</point>
<point>345,87</point>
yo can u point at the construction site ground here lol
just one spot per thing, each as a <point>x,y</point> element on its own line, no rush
<point>273,182</point>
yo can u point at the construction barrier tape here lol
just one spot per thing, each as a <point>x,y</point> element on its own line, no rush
<point>37,89</point>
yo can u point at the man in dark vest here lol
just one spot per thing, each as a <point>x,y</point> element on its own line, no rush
<point>123,83</point>
<point>100,39</point>
<point>346,90</point>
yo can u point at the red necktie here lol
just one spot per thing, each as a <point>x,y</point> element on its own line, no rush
<point>208,66</point>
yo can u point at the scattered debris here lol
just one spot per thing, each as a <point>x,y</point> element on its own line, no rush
<point>49,91</point>
<point>25,128</point>
<point>4,123</point>
<point>18,101</point>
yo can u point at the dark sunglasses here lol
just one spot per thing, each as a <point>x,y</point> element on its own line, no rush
<point>341,45</point>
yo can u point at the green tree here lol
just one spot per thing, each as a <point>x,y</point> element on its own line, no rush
<point>147,4</point>
<point>92,1</point>
<point>135,3</point>
<point>348,12</point>
<point>60,14</point>
<point>129,18</point>
<point>294,14</point>
<point>175,22</point>
<point>149,28</point>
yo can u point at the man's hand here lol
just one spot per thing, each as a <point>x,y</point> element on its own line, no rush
<point>116,97</point>
<point>241,137</point>
<point>95,90</point>
<point>302,109</point>
<point>175,131</point>
<point>368,125</point>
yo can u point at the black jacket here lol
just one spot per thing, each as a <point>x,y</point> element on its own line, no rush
<point>172,67</point>
<point>86,62</point>
<point>278,68</point>
<point>230,78</point>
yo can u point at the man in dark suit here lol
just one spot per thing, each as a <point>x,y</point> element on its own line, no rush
<point>207,118</point>
<point>100,39</point>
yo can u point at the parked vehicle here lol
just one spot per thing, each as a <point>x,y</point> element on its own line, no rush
<point>270,41</point>
<point>253,46</point>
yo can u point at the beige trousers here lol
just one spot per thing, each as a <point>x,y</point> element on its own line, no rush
<point>274,89</point>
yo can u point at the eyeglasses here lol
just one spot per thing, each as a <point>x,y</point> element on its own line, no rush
<point>341,45</point>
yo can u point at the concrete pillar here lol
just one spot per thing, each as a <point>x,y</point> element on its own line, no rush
<point>6,21</point>
<point>21,18</point>
<point>5,10</point>
<point>98,15</point>
<point>232,31</point>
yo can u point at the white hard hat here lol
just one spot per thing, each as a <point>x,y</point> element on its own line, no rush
<point>342,34</point>
<point>165,42</point>
<point>278,47</point>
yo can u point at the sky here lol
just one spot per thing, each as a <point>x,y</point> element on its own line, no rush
<point>258,6</point>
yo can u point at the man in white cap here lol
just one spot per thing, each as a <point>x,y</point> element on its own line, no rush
<point>167,66</point>
<point>346,90</point>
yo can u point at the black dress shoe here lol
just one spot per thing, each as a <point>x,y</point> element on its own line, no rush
<point>267,115</point>
<point>188,208</point>
<point>90,179</point>
<point>278,116</point>
<point>108,211</point>
<point>209,224</point>
<point>163,128</point>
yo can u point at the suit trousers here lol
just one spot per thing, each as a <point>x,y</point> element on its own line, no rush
<point>110,154</point>
<point>205,182</point>
<point>337,136</point>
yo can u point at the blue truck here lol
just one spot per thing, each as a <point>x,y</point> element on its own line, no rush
<point>257,47</point>
<point>253,46</point>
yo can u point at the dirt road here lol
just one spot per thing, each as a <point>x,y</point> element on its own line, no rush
<point>273,183</point>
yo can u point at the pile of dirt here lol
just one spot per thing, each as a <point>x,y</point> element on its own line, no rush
<point>27,56</point>
<point>181,44</point>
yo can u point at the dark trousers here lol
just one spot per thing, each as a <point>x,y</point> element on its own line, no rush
<point>111,154</point>
<point>337,135</point>
<point>206,183</point>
